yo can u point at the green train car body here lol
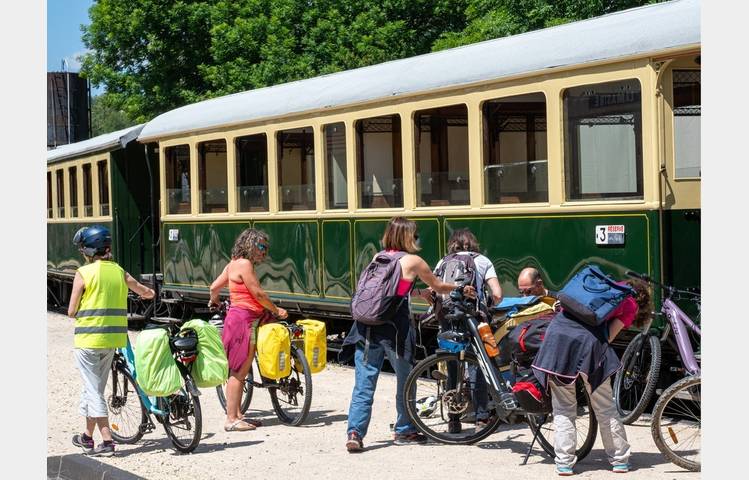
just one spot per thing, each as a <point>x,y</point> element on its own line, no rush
<point>316,263</point>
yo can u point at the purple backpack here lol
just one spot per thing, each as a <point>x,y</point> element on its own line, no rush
<point>375,300</point>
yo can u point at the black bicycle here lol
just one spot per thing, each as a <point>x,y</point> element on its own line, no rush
<point>443,392</point>
<point>291,396</point>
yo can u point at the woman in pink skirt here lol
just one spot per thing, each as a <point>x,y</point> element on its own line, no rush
<point>250,307</point>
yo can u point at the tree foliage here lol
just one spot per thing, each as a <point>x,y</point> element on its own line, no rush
<point>156,55</point>
<point>106,116</point>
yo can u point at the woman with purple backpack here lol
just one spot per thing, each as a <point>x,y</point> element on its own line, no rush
<point>394,338</point>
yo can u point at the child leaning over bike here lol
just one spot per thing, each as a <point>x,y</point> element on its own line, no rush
<point>98,302</point>
<point>250,306</point>
<point>573,349</point>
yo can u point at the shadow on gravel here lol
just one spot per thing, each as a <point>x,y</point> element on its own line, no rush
<point>315,419</point>
<point>81,467</point>
<point>164,444</point>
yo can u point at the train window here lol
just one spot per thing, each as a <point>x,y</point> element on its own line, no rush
<point>60,193</point>
<point>379,162</point>
<point>177,178</point>
<point>88,202</point>
<point>212,178</point>
<point>50,212</point>
<point>252,173</point>
<point>335,162</point>
<point>603,141</point>
<point>103,171</point>
<point>73,182</point>
<point>687,123</point>
<point>514,150</point>
<point>296,169</point>
<point>442,156</point>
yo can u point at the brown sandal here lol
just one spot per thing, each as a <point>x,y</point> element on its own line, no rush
<point>239,426</point>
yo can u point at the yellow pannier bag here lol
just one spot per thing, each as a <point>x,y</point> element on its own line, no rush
<point>274,351</point>
<point>315,344</point>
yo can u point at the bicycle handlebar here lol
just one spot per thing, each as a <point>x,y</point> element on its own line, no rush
<point>670,290</point>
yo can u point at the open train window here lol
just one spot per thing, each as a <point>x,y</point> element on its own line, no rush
<point>88,201</point>
<point>212,177</point>
<point>50,212</point>
<point>515,150</point>
<point>442,156</point>
<point>60,177</point>
<point>335,163</point>
<point>73,181</point>
<point>687,123</point>
<point>296,169</point>
<point>603,141</point>
<point>252,173</point>
<point>102,168</point>
<point>379,162</point>
<point>177,177</point>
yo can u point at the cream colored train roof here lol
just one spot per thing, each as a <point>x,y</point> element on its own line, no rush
<point>636,31</point>
<point>102,143</point>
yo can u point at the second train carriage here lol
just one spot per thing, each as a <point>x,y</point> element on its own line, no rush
<point>558,147</point>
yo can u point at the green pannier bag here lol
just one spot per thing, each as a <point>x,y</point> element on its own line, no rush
<point>156,369</point>
<point>211,368</point>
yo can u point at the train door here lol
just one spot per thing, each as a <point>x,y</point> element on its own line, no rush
<point>681,179</point>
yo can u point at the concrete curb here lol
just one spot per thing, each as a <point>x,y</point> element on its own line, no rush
<point>81,467</point>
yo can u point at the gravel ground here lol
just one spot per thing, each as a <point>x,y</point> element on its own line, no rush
<point>316,450</point>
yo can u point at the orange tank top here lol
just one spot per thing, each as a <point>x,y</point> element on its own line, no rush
<point>239,296</point>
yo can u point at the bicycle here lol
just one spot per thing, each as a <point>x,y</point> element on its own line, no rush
<point>675,426</point>
<point>285,393</point>
<point>130,409</point>
<point>442,392</point>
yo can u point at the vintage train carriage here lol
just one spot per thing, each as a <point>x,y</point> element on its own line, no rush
<point>557,147</point>
<point>103,180</point>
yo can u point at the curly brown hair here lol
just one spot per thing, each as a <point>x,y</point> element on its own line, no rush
<point>644,301</point>
<point>245,246</point>
<point>462,240</point>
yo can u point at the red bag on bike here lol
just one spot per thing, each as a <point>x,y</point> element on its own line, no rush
<point>530,395</point>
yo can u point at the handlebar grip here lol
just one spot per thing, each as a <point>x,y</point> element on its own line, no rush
<point>641,276</point>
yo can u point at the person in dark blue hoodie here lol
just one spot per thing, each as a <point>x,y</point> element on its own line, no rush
<point>572,349</point>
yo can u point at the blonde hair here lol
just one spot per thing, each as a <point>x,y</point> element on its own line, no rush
<point>400,234</point>
<point>245,246</point>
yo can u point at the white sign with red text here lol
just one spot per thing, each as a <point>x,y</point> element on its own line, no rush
<point>609,234</point>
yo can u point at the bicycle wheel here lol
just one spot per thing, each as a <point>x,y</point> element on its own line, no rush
<point>586,426</point>
<point>635,383</point>
<point>439,394</point>
<point>127,415</point>
<point>184,421</point>
<point>287,392</point>
<point>676,425</point>
<point>247,389</point>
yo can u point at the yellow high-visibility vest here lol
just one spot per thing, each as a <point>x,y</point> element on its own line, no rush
<point>101,321</point>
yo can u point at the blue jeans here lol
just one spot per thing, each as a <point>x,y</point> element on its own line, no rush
<point>365,381</point>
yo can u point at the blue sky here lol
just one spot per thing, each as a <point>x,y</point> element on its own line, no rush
<point>64,18</point>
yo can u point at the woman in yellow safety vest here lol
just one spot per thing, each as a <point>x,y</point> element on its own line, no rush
<point>98,302</point>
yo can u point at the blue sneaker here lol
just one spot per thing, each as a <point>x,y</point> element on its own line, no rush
<point>623,468</point>
<point>564,471</point>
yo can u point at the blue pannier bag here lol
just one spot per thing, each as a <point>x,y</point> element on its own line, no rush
<point>591,296</point>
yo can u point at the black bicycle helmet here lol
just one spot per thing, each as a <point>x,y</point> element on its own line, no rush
<point>93,240</point>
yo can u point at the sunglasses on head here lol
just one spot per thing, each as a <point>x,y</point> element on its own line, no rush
<point>416,236</point>
<point>262,247</point>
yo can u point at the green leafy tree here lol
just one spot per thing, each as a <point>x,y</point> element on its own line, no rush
<point>488,19</point>
<point>156,55</point>
<point>107,116</point>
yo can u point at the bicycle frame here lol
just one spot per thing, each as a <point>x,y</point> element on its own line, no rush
<point>679,322</point>
<point>129,358</point>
